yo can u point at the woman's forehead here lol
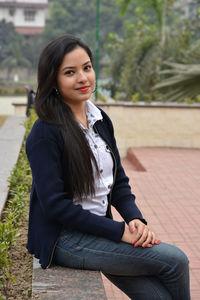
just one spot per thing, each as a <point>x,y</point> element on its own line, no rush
<point>77,56</point>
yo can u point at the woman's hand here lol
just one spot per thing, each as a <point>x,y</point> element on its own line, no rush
<point>139,234</point>
<point>128,236</point>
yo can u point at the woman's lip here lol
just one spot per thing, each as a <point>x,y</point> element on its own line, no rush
<point>83,88</point>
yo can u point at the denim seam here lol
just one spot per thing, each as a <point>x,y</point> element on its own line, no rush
<point>120,254</point>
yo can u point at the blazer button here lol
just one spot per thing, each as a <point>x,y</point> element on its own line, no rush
<point>95,146</point>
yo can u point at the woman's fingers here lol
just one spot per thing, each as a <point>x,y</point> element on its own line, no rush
<point>148,240</point>
<point>157,242</point>
<point>151,241</point>
<point>153,238</point>
<point>141,231</point>
<point>139,228</point>
<point>143,237</point>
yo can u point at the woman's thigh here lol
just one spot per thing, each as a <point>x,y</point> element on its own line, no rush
<point>165,264</point>
<point>84,251</point>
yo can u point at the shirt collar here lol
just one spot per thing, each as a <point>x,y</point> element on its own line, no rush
<point>93,113</point>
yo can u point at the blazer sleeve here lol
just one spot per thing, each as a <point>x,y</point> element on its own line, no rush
<point>45,157</point>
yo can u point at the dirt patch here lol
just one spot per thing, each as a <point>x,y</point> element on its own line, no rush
<point>20,288</point>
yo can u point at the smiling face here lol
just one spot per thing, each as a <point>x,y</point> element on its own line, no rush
<point>76,77</point>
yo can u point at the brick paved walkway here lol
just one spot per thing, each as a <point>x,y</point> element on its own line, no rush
<point>168,194</point>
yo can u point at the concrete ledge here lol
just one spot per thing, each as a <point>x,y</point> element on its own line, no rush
<point>166,125</point>
<point>133,159</point>
<point>151,104</point>
<point>19,108</point>
<point>65,283</point>
<point>11,138</point>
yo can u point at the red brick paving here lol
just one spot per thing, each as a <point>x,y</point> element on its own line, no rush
<point>168,194</point>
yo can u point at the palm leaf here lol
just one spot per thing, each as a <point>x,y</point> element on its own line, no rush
<point>124,5</point>
<point>183,81</point>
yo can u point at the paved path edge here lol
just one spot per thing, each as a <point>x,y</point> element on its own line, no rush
<point>11,138</point>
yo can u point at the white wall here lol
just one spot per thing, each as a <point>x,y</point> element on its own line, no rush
<point>18,19</point>
<point>155,125</point>
<point>26,1</point>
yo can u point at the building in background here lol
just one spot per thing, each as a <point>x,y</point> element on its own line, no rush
<point>28,16</point>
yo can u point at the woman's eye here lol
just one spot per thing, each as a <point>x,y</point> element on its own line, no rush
<point>88,67</point>
<point>69,72</point>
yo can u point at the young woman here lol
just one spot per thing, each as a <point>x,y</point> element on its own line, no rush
<point>77,176</point>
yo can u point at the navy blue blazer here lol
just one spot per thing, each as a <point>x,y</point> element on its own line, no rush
<point>52,209</point>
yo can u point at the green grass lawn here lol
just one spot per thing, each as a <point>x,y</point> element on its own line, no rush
<point>2,119</point>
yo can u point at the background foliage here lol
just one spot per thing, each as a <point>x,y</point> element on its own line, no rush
<point>157,34</point>
<point>139,41</point>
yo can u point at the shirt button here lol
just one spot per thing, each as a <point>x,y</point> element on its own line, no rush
<point>107,148</point>
<point>109,186</point>
<point>95,146</point>
<point>101,171</point>
<point>103,202</point>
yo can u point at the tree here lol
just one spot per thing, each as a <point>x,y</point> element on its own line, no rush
<point>181,80</point>
<point>7,34</point>
<point>138,54</point>
<point>31,49</point>
<point>155,34</point>
<point>79,18</point>
<point>160,10</point>
<point>182,83</point>
<point>15,59</point>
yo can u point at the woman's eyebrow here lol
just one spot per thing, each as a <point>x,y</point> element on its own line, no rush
<point>73,67</point>
<point>87,62</point>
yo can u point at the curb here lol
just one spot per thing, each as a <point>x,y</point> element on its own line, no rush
<point>11,138</point>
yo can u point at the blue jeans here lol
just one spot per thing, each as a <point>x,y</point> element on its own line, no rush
<point>160,272</point>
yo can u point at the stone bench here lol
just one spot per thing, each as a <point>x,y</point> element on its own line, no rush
<point>19,108</point>
<point>58,283</point>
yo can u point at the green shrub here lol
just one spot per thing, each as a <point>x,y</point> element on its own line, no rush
<point>19,187</point>
<point>3,91</point>
<point>102,98</point>
<point>135,97</point>
<point>19,91</point>
<point>198,98</point>
<point>12,90</point>
<point>189,100</point>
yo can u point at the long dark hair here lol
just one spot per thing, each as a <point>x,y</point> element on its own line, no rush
<point>77,155</point>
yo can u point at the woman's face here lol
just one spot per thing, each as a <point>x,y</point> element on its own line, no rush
<point>76,77</point>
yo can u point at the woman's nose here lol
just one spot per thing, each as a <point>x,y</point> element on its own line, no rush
<point>82,76</point>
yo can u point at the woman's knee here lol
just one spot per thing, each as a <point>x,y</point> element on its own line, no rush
<point>180,257</point>
<point>176,259</point>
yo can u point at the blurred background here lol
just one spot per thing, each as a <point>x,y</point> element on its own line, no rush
<point>147,50</point>
<point>147,64</point>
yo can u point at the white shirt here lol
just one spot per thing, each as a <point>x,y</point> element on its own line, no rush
<point>98,203</point>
